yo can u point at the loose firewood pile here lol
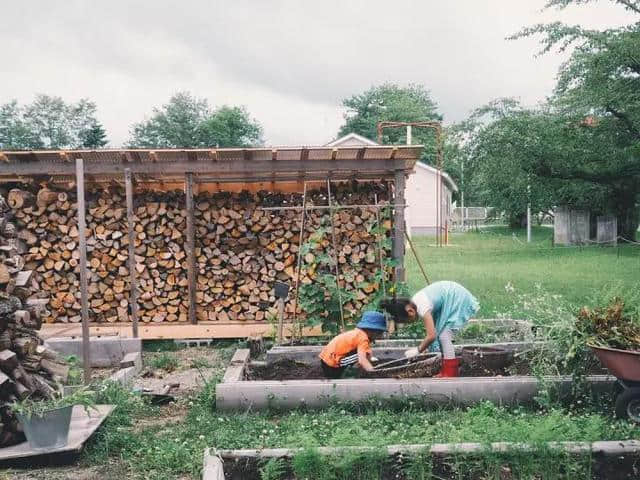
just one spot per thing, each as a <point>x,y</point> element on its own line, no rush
<point>27,368</point>
<point>240,251</point>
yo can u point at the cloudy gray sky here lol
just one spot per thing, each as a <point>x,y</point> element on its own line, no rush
<point>289,62</point>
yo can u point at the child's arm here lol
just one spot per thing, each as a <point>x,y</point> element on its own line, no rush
<point>363,360</point>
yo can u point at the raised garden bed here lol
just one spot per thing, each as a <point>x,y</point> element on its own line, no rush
<point>551,460</point>
<point>242,386</point>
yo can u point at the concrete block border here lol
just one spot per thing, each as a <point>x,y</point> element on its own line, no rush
<point>236,393</point>
<point>602,450</point>
<point>131,365</point>
<point>103,351</point>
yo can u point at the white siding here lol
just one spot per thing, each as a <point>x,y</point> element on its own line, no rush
<point>421,196</point>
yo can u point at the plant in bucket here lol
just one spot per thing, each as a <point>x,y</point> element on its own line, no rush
<point>46,422</point>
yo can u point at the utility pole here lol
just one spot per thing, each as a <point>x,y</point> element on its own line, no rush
<point>529,213</point>
<point>462,193</point>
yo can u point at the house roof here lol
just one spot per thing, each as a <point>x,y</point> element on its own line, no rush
<point>351,137</point>
<point>452,185</point>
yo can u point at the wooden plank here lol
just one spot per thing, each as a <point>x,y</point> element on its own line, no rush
<point>175,330</point>
<point>82,246</point>
<point>190,247</point>
<point>83,424</point>
<point>133,281</point>
<point>399,226</point>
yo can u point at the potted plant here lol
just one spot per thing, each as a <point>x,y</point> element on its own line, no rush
<point>46,422</point>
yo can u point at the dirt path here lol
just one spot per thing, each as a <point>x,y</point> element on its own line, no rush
<point>192,368</point>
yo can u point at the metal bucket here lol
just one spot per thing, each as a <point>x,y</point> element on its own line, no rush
<point>51,430</point>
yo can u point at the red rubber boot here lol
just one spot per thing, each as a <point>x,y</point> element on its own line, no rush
<point>450,368</point>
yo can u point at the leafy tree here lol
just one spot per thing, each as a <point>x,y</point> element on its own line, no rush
<point>231,127</point>
<point>94,137</point>
<point>47,123</point>
<point>391,102</point>
<point>599,87</point>
<point>14,133</point>
<point>506,146</point>
<point>186,121</point>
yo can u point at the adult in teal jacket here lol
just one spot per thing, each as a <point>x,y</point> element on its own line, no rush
<point>444,307</point>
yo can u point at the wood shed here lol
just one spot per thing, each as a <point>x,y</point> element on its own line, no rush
<point>187,243</point>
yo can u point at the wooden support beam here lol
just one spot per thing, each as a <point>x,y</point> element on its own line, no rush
<point>191,254</point>
<point>240,168</point>
<point>133,281</point>
<point>178,330</point>
<point>299,260</point>
<point>399,225</point>
<point>82,246</point>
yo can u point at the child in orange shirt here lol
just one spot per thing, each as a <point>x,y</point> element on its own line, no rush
<point>353,346</point>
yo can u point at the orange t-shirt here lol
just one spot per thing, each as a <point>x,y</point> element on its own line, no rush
<point>343,344</point>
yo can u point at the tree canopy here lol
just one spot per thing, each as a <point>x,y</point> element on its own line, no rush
<point>391,102</point>
<point>50,123</point>
<point>188,122</point>
<point>582,147</point>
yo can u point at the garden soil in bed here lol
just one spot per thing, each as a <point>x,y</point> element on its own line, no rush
<point>289,369</point>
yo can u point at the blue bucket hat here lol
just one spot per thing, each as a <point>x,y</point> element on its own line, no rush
<point>373,321</point>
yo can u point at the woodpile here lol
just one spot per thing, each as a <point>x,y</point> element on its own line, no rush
<point>240,250</point>
<point>27,368</point>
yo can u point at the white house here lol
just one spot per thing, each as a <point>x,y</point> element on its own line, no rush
<point>421,192</point>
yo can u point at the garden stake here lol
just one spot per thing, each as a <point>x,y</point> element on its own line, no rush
<point>335,256</point>
<point>415,254</point>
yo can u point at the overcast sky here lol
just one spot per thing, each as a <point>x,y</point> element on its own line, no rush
<point>289,62</point>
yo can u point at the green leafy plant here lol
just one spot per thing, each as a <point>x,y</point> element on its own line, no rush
<point>164,361</point>
<point>322,300</point>
<point>75,370</point>
<point>309,464</point>
<point>273,469</point>
<point>609,326</point>
<point>29,407</point>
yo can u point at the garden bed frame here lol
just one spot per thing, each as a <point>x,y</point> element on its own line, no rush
<point>609,456</point>
<point>236,393</point>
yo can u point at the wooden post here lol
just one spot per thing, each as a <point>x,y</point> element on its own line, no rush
<point>335,255</point>
<point>399,225</point>
<point>191,254</point>
<point>299,262</point>
<point>84,296</point>
<point>280,320</point>
<point>133,282</point>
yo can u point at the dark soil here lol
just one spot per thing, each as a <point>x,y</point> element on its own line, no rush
<point>287,369</point>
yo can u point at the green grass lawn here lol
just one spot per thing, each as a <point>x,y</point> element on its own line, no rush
<point>488,261</point>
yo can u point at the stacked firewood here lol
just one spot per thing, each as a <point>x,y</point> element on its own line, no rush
<point>241,249</point>
<point>27,368</point>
